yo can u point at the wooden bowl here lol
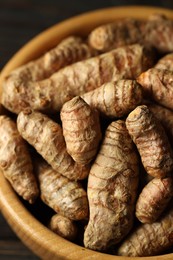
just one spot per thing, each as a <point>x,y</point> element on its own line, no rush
<point>28,228</point>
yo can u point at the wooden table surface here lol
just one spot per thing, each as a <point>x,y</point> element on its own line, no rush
<point>21,20</point>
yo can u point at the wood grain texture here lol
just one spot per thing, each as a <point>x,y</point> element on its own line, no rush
<point>11,247</point>
<point>20,20</point>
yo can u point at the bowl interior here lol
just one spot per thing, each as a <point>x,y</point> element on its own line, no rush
<point>28,221</point>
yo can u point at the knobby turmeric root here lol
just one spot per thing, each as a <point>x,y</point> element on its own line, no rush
<point>151,141</point>
<point>153,199</point>
<point>63,226</point>
<point>15,160</point>
<point>158,85</point>
<point>81,130</point>
<point>68,51</point>
<point>74,80</point>
<point>119,33</point>
<point>158,33</point>
<point>115,99</point>
<point>47,138</point>
<point>165,116</point>
<point>66,197</point>
<point>149,239</point>
<point>112,189</point>
<point>165,63</point>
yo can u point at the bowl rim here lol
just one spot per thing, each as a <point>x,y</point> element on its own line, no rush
<point>33,233</point>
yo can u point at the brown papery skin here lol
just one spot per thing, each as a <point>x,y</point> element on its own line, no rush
<point>149,239</point>
<point>119,33</point>
<point>165,63</point>
<point>46,137</point>
<point>15,161</point>
<point>68,51</point>
<point>74,80</point>
<point>165,116</point>
<point>112,189</point>
<point>81,130</point>
<point>158,32</point>
<point>115,99</point>
<point>64,227</point>
<point>158,85</point>
<point>153,199</point>
<point>151,141</point>
<point>61,194</point>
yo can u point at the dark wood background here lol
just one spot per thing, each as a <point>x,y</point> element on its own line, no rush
<point>21,20</point>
